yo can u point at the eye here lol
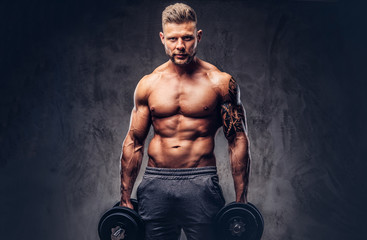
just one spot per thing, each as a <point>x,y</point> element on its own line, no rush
<point>172,39</point>
<point>187,38</point>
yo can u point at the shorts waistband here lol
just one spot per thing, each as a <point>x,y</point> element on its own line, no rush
<point>181,171</point>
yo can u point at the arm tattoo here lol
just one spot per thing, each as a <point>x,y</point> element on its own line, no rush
<point>232,111</point>
<point>233,90</point>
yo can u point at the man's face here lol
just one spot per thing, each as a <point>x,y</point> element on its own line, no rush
<point>180,41</point>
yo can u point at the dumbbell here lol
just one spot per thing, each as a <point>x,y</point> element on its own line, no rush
<point>121,223</point>
<point>239,221</point>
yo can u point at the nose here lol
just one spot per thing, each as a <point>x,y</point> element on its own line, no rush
<point>180,45</point>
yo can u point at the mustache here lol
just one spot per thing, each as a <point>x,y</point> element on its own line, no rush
<point>180,53</point>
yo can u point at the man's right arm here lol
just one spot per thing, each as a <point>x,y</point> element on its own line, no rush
<point>133,146</point>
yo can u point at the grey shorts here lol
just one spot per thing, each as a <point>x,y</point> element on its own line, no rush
<point>175,199</point>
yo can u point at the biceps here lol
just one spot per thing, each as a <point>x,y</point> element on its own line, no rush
<point>233,119</point>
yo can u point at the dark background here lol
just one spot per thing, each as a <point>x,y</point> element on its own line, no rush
<point>68,72</point>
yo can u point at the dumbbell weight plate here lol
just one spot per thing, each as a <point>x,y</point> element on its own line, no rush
<point>237,221</point>
<point>125,218</point>
<point>259,219</point>
<point>117,217</point>
<point>136,217</point>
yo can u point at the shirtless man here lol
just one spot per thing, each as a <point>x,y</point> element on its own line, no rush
<point>186,100</point>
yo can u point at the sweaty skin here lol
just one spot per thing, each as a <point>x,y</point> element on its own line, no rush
<point>186,100</point>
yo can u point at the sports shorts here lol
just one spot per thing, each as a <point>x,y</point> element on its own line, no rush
<point>174,199</point>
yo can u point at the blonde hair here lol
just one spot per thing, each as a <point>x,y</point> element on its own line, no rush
<point>178,13</point>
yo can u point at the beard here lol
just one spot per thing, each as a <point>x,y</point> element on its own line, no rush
<point>180,62</point>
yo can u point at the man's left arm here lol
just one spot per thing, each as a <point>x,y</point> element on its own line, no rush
<point>234,127</point>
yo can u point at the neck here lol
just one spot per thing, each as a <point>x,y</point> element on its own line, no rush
<point>186,68</point>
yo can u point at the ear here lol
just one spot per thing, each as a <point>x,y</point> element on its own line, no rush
<point>161,35</point>
<point>199,34</point>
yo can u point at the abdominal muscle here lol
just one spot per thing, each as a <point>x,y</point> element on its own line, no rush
<point>187,144</point>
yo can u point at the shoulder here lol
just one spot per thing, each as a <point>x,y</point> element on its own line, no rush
<point>222,81</point>
<point>145,85</point>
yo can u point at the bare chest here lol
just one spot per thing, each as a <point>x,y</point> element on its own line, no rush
<point>190,98</point>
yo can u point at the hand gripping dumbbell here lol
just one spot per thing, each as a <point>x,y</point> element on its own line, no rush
<point>239,221</point>
<point>121,223</point>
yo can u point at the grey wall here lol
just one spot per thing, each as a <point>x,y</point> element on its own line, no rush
<point>68,72</point>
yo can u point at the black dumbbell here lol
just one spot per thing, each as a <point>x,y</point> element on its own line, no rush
<point>237,221</point>
<point>121,223</point>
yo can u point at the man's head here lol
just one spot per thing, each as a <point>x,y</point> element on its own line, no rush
<point>180,36</point>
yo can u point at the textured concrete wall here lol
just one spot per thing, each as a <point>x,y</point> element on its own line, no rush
<point>69,71</point>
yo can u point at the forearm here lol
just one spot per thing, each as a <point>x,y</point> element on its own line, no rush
<point>240,164</point>
<point>132,155</point>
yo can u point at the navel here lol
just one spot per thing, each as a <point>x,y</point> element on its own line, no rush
<point>206,108</point>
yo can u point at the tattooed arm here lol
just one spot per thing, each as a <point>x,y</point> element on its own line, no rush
<point>133,146</point>
<point>233,117</point>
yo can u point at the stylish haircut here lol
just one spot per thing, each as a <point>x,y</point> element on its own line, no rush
<point>178,13</point>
